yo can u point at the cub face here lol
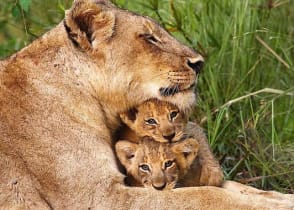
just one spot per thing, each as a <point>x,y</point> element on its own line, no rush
<point>154,164</point>
<point>161,120</point>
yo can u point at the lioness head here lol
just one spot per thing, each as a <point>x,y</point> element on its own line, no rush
<point>155,164</point>
<point>135,57</point>
<point>161,120</point>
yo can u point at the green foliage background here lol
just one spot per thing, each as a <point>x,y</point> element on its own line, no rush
<point>249,51</point>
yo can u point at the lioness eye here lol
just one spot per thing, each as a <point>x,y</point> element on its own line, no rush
<point>151,121</point>
<point>150,38</point>
<point>173,114</point>
<point>144,167</point>
<point>168,164</point>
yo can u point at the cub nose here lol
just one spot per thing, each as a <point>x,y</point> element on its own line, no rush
<point>159,187</point>
<point>196,63</point>
<point>170,137</point>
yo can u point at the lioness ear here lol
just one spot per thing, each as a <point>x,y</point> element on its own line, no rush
<point>126,151</point>
<point>186,150</point>
<point>129,117</point>
<point>88,24</point>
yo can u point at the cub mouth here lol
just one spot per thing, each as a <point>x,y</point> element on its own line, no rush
<point>172,90</point>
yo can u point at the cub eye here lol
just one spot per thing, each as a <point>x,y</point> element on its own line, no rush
<point>173,114</point>
<point>151,121</point>
<point>144,167</point>
<point>168,163</point>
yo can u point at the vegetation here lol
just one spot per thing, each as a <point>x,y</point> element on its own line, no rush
<point>246,90</point>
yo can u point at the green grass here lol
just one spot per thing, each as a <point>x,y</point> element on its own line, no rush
<point>249,51</point>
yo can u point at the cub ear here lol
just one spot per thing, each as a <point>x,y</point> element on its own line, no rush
<point>129,117</point>
<point>186,150</point>
<point>126,152</point>
<point>89,24</point>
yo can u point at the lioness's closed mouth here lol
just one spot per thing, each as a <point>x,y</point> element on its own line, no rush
<point>170,91</point>
<point>185,79</point>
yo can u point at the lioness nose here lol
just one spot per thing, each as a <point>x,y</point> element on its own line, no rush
<point>196,63</point>
<point>170,137</point>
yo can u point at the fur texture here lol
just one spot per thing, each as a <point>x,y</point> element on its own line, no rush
<point>59,103</point>
<point>161,120</point>
<point>164,122</point>
<point>155,164</point>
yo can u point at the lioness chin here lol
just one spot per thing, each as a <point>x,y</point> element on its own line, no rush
<point>59,103</point>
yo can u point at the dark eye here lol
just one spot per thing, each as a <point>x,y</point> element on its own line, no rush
<point>144,167</point>
<point>168,163</point>
<point>173,114</point>
<point>150,38</point>
<point>151,121</point>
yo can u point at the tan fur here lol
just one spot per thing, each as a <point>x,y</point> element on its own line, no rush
<point>205,169</point>
<point>155,164</point>
<point>59,105</point>
<point>164,128</point>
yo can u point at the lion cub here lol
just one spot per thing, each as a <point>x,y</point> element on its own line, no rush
<point>158,119</point>
<point>163,122</point>
<point>155,164</point>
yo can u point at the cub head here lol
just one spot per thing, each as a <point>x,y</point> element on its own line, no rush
<point>161,120</point>
<point>154,164</point>
<point>133,58</point>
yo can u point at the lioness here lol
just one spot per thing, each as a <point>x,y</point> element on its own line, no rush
<point>164,122</point>
<point>155,164</point>
<point>59,103</point>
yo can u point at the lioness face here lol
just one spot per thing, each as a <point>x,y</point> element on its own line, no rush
<point>154,164</point>
<point>161,120</point>
<point>140,59</point>
<point>160,67</point>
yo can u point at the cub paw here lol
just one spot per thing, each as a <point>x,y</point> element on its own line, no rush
<point>211,176</point>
